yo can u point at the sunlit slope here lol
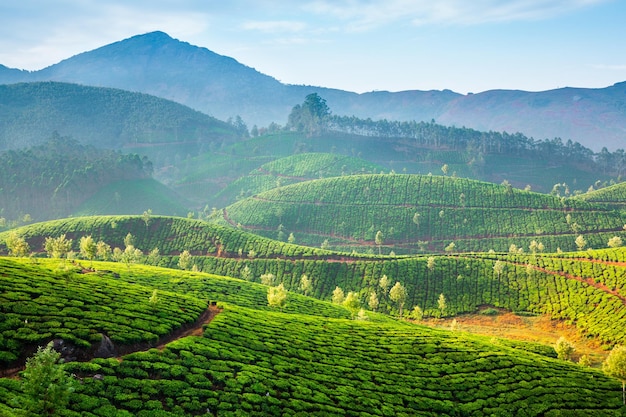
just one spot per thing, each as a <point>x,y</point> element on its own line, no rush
<point>134,197</point>
<point>422,212</point>
<point>268,363</point>
<point>293,169</point>
<point>611,196</point>
<point>516,282</point>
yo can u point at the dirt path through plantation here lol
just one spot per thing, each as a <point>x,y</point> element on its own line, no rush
<point>195,329</point>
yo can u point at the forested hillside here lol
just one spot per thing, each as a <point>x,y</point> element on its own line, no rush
<point>53,179</point>
<point>102,117</point>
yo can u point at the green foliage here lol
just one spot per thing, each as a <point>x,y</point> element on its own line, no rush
<point>277,296</point>
<point>348,211</point>
<point>615,366</point>
<point>16,245</point>
<point>45,384</point>
<point>564,349</point>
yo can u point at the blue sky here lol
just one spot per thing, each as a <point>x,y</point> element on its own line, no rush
<point>355,45</point>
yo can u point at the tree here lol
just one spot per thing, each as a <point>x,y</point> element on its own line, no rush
<point>306,285</point>
<point>383,283</point>
<point>154,300</point>
<point>154,257</point>
<point>277,296</point>
<point>379,240</point>
<point>615,366</point>
<point>430,263</point>
<point>147,217</point>
<point>17,245</point>
<point>291,239</point>
<point>310,117</point>
<point>129,256</point>
<point>88,248</point>
<point>45,384</point>
<point>325,244</point>
<point>338,296</point>
<point>498,267</point>
<point>246,273</point>
<point>373,301</point>
<point>352,303</point>
<point>444,169</point>
<point>417,314</point>
<point>441,305</point>
<point>450,247</point>
<point>563,349</point>
<point>184,260</point>
<point>416,219</point>
<point>58,247</point>
<point>615,242</point>
<point>580,242</point>
<point>103,251</point>
<point>268,279</point>
<point>398,294</point>
<point>129,240</point>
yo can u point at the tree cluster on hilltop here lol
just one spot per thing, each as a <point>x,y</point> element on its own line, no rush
<point>314,117</point>
<point>50,180</point>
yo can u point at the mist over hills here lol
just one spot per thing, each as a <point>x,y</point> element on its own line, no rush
<point>157,64</point>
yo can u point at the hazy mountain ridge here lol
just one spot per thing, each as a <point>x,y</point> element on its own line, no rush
<point>154,63</point>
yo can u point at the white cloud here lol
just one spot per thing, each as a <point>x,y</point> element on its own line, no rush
<point>366,14</point>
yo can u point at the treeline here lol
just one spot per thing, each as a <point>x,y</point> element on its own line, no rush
<point>50,180</point>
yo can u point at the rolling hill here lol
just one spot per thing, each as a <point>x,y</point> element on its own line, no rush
<point>584,288</point>
<point>103,117</point>
<point>156,64</point>
<point>308,359</point>
<point>424,213</point>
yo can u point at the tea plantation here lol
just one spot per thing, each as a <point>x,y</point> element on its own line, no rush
<point>425,213</point>
<point>307,360</point>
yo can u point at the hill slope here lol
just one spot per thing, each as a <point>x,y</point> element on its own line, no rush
<point>154,63</point>
<point>102,117</point>
<point>305,360</point>
<point>415,211</point>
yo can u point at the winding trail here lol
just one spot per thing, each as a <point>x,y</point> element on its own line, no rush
<point>195,329</point>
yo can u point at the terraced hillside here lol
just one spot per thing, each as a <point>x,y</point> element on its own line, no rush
<point>305,360</point>
<point>291,170</point>
<point>415,212</point>
<point>517,282</point>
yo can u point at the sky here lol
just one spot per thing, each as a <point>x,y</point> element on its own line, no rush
<point>355,45</point>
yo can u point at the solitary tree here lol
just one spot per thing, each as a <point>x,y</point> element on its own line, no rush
<point>103,251</point>
<point>615,242</point>
<point>430,263</point>
<point>154,300</point>
<point>306,285</point>
<point>88,248</point>
<point>338,295</point>
<point>17,245</point>
<point>563,349</point>
<point>498,267</point>
<point>154,257</point>
<point>441,304</point>
<point>383,283</point>
<point>615,366</point>
<point>184,260</point>
<point>398,294</point>
<point>352,303</point>
<point>58,247</point>
<point>373,301</point>
<point>268,279</point>
<point>417,313</point>
<point>147,217</point>
<point>246,273</point>
<point>416,219</point>
<point>379,240</point>
<point>580,242</point>
<point>277,296</point>
<point>45,384</point>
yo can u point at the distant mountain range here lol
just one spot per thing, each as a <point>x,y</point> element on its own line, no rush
<point>159,65</point>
